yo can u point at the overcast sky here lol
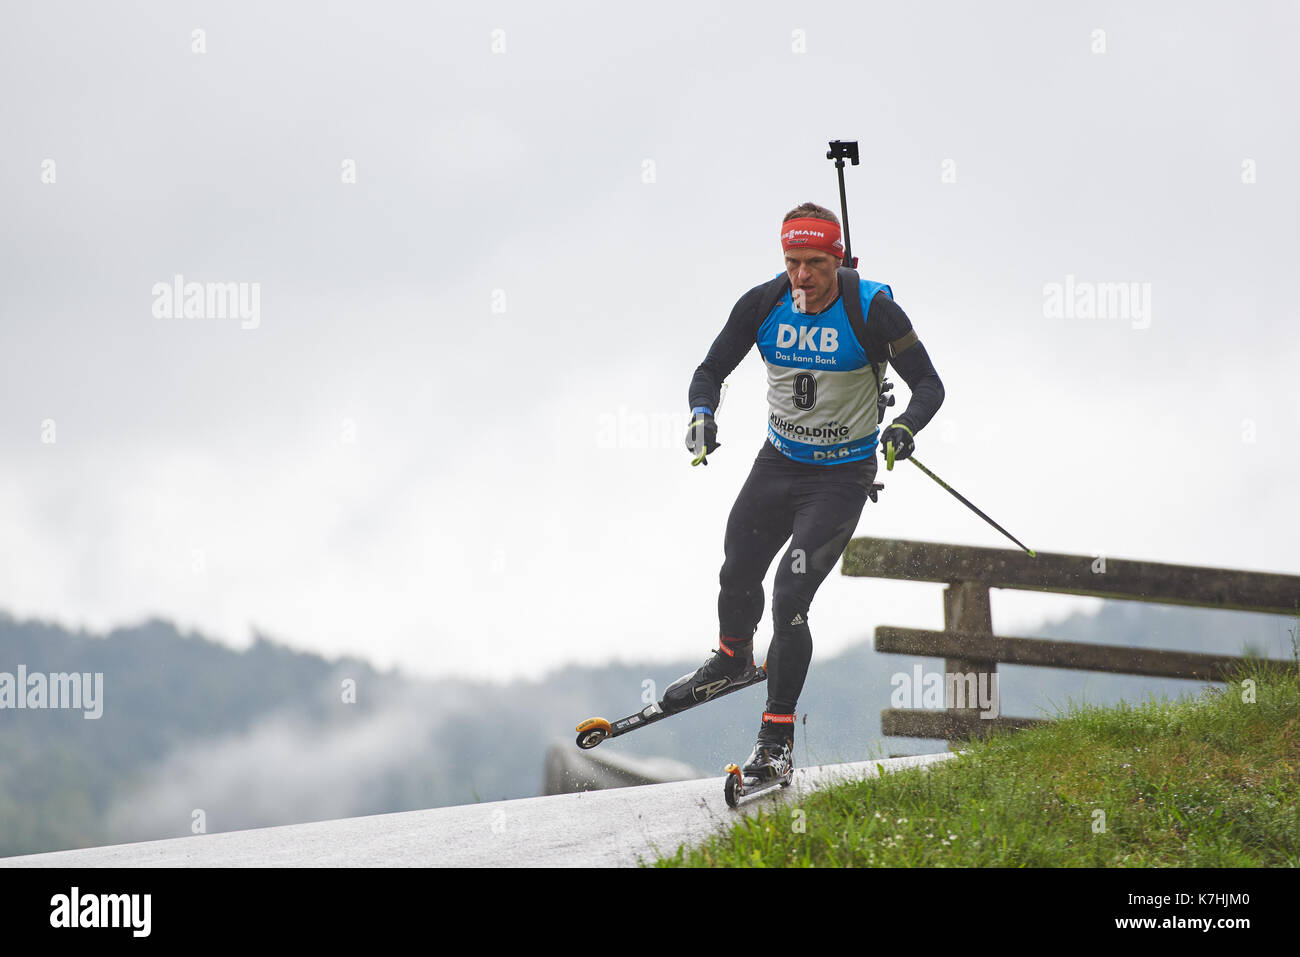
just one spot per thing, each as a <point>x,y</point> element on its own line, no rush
<point>491,244</point>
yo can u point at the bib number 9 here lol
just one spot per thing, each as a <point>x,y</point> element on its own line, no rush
<point>805,391</point>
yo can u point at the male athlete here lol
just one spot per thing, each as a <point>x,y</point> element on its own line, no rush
<point>816,470</point>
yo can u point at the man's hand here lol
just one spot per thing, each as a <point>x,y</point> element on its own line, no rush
<point>702,437</point>
<point>898,444</point>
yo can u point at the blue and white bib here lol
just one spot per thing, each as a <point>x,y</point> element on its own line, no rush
<point>821,389</point>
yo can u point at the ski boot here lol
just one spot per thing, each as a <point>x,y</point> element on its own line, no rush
<point>773,754</point>
<point>731,667</point>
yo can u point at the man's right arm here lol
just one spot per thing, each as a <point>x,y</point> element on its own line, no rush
<point>733,342</point>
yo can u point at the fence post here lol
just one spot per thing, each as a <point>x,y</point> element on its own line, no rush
<point>966,608</point>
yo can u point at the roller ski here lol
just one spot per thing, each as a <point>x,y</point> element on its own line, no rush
<point>730,669</point>
<point>770,765</point>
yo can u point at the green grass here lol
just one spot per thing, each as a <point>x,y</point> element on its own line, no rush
<point>1211,781</point>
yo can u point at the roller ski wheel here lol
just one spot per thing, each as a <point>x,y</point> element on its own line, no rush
<point>735,784</point>
<point>593,731</point>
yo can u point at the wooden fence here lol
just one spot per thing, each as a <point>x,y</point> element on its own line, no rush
<point>967,643</point>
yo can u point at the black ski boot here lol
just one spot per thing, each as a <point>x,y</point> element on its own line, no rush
<point>773,754</point>
<point>732,663</point>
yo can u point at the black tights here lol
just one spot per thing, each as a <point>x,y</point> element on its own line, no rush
<point>816,508</point>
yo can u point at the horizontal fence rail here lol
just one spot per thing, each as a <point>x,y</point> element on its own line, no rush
<point>952,725</point>
<point>1048,653</point>
<point>1201,586</point>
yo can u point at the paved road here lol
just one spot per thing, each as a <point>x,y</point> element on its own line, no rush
<point>616,828</point>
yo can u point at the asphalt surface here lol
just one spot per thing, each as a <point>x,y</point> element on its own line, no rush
<point>614,828</point>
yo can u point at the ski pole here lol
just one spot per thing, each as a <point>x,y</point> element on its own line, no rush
<point>961,498</point>
<point>839,151</point>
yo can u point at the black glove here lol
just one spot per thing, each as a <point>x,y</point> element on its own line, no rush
<point>702,437</point>
<point>900,438</point>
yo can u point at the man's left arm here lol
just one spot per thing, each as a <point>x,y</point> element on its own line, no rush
<point>891,335</point>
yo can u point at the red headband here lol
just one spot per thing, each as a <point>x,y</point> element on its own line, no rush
<point>808,233</point>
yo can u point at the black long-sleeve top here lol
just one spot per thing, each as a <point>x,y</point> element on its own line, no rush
<point>886,325</point>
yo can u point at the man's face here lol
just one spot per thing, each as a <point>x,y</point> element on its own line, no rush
<point>812,273</point>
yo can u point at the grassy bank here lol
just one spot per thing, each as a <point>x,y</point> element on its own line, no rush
<point>1207,782</point>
